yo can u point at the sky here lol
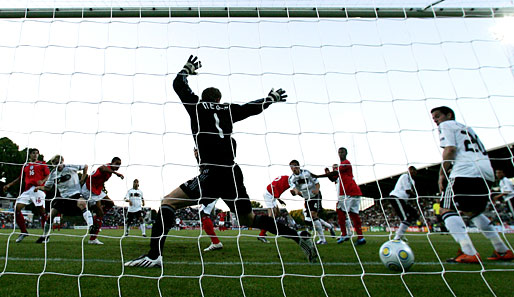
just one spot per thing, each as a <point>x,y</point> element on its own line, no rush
<point>92,89</point>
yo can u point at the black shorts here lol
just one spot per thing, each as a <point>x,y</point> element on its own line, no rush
<point>313,204</point>
<point>67,206</point>
<point>404,210</point>
<point>223,182</point>
<point>467,194</point>
<point>134,216</point>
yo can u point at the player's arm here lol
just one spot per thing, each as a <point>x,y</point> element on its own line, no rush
<point>108,169</point>
<point>449,153</point>
<point>84,174</point>
<point>241,112</point>
<point>316,190</point>
<point>180,83</point>
<point>281,201</point>
<point>332,175</point>
<point>7,186</point>
<point>499,196</point>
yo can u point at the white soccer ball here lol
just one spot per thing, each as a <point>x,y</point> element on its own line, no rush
<point>396,255</point>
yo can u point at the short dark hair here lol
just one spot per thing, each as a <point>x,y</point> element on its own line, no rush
<point>115,159</point>
<point>294,162</point>
<point>31,150</point>
<point>343,148</point>
<point>211,95</point>
<point>444,110</point>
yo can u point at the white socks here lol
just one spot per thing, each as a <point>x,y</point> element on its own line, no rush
<point>401,231</point>
<point>319,229</point>
<point>88,217</point>
<point>457,229</point>
<point>484,225</point>
<point>143,228</point>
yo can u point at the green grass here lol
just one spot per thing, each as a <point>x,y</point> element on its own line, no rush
<point>243,264</point>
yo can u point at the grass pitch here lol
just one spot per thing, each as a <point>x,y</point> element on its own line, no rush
<point>68,266</point>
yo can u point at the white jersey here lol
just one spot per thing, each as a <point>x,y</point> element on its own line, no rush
<point>471,159</point>
<point>304,182</point>
<point>66,180</point>
<point>507,188</point>
<point>136,199</point>
<point>404,184</point>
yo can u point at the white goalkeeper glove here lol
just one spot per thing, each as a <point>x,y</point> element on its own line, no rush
<point>192,65</point>
<point>277,96</point>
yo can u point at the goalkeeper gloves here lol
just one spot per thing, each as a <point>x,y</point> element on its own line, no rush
<point>277,96</point>
<point>192,65</point>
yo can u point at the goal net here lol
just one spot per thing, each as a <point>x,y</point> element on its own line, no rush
<point>93,80</point>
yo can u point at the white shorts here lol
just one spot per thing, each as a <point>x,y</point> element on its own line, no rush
<point>29,196</point>
<point>90,196</point>
<point>349,204</point>
<point>269,200</point>
<point>209,208</point>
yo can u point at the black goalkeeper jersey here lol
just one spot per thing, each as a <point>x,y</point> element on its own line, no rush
<point>212,123</point>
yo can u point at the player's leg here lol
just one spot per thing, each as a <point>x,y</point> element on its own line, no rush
<point>20,219</point>
<point>453,195</point>
<point>483,223</point>
<point>327,225</point>
<point>342,218</point>
<point>207,225</point>
<point>354,208</point>
<point>400,208</point>
<point>86,213</point>
<point>142,225</point>
<point>314,207</point>
<point>128,222</point>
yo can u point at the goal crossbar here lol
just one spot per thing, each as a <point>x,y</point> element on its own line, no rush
<point>271,12</point>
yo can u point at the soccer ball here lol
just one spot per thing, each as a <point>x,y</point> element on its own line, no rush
<point>396,255</point>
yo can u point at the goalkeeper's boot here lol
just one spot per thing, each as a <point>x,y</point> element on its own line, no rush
<point>507,256</point>
<point>307,246</point>
<point>213,247</point>
<point>21,237</point>
<point>145,261</point>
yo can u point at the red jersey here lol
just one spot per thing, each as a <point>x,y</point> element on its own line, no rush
<point>33,172</point>
<point>96,181</point>
<point>222,216</point>
<point>347,185</point>
<point>278,186</point>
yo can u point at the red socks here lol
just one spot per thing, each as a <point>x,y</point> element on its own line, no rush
<point>341,219</point>
<point>20,220</point>
<point>263,232</point>
<point>208,227</point>
<point>357,224</point>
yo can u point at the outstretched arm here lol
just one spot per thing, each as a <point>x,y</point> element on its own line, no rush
<point>241,112</point>
<point>180,83</point>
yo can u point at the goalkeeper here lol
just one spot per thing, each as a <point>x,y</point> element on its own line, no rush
<point>211,127</point>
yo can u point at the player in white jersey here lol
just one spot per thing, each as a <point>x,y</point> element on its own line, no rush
<point>135,213</point>
<point>307,186</point>
<point>66,179</point>
<point>465,178</point>
<point>506,188</point>
<point>403,190</point>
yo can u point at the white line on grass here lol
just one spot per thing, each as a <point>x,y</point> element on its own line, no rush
<point>234,263</point>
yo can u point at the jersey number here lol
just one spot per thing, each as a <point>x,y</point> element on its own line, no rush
<point>473,144</point>
<point>217,123</point>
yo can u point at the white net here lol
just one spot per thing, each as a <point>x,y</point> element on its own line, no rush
<point>91,84</point>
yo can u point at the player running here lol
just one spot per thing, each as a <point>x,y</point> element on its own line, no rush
<point>403,190</point>
<point>66,179</point>
<point>211,127</point>
<point>135,213</point>
<point>34,173</point>
<point>98,201</point>
<point>466,186</point>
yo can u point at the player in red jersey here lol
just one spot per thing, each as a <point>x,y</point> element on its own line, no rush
<point>349,197</point>
<point>34,173</point>
<point>273,191</point>
<point>98,200</point>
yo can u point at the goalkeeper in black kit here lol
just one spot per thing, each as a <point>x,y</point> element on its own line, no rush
<point>211,127</point>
